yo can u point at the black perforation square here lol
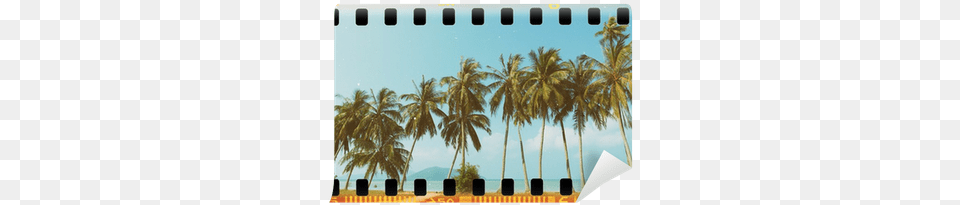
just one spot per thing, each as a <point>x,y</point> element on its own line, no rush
<point>449,187</point>
<point>336,17</point>
<point>565,16</point>
<point>593,16</point>
<point>361,17</point>
<point>506,187</point>
<point>506,16</point>
<point>336,187</point>
<point>536,16</point>
<point>566,186</point>
<point>449,16</point>
<point>536,186</point>
<point>362,186</point>
<point>419,16</point>
<point>477,16</point>
<point>390,16</point>
<point>623,16</point>
<point>478,187</point>
<point>390,187</point>
<point>420,187</point>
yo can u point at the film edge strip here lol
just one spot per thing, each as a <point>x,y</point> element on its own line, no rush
<point>450,185</point>
<point>477,16</point>
<point>566,194</point>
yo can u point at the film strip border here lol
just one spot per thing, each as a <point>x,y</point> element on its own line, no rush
<point>450,187</point>
<point>455,199</point>
<point>477,16</point>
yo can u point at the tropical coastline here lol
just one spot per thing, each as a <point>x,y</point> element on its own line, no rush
<point>594,91</point>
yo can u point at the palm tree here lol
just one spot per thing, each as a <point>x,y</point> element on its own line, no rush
<point>543,88</point>
<point>341,131</point>
<point>583,104</point>
<point>348,117</point>
<point>563,108</point>
<point>611,31</point>
<point>507,92</point>
<point>379,143</point>
<point>381,155</point>
<point>615,76</point>
<point>351,160</point>
<point>419,115</point>
<point>466,98</point>
<point>522,117</point>
<point>456,127</point>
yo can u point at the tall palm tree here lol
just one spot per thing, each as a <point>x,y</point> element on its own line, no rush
<point>457,127</point>
<point>351,160</point>
<point>507,85</point>
<point>465,99</point>
<point>562,109</point>
<point>583,104</point>
<point>615,76</point>
<point>543,88</point>
<point>419,115</point>
<point>348,117</point>
<point>611,31</point>
<point>383,155</point>
<point>521,117</point>
<point>380,145</point>
<point>341,134</point>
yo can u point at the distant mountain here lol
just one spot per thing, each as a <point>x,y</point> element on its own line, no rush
<point>433,174</point>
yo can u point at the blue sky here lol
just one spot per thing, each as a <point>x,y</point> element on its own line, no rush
<point>377,56</point>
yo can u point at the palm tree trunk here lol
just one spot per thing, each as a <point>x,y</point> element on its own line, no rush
<point>454,161</point>
<point>582,178</point>
<point>337,154</point>
<point>346,150</point>
<point>565,153</point>
<point>626,145</point>
<point>406,168</point>
<point>543,128</point>
<point>335,159</point>
<point>463,157</point>
<point>347,187</point>
<point>463,141</point>
<point>366,175</point>
<point>523,159</point>
<point>503,167</point>
<point>371,170</point>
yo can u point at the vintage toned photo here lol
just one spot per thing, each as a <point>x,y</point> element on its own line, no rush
<point>489,101</point>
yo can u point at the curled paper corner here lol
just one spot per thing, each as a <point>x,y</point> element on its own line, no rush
<point>607,168</point>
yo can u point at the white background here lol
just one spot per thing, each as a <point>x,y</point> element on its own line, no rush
<point>230,102</point>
